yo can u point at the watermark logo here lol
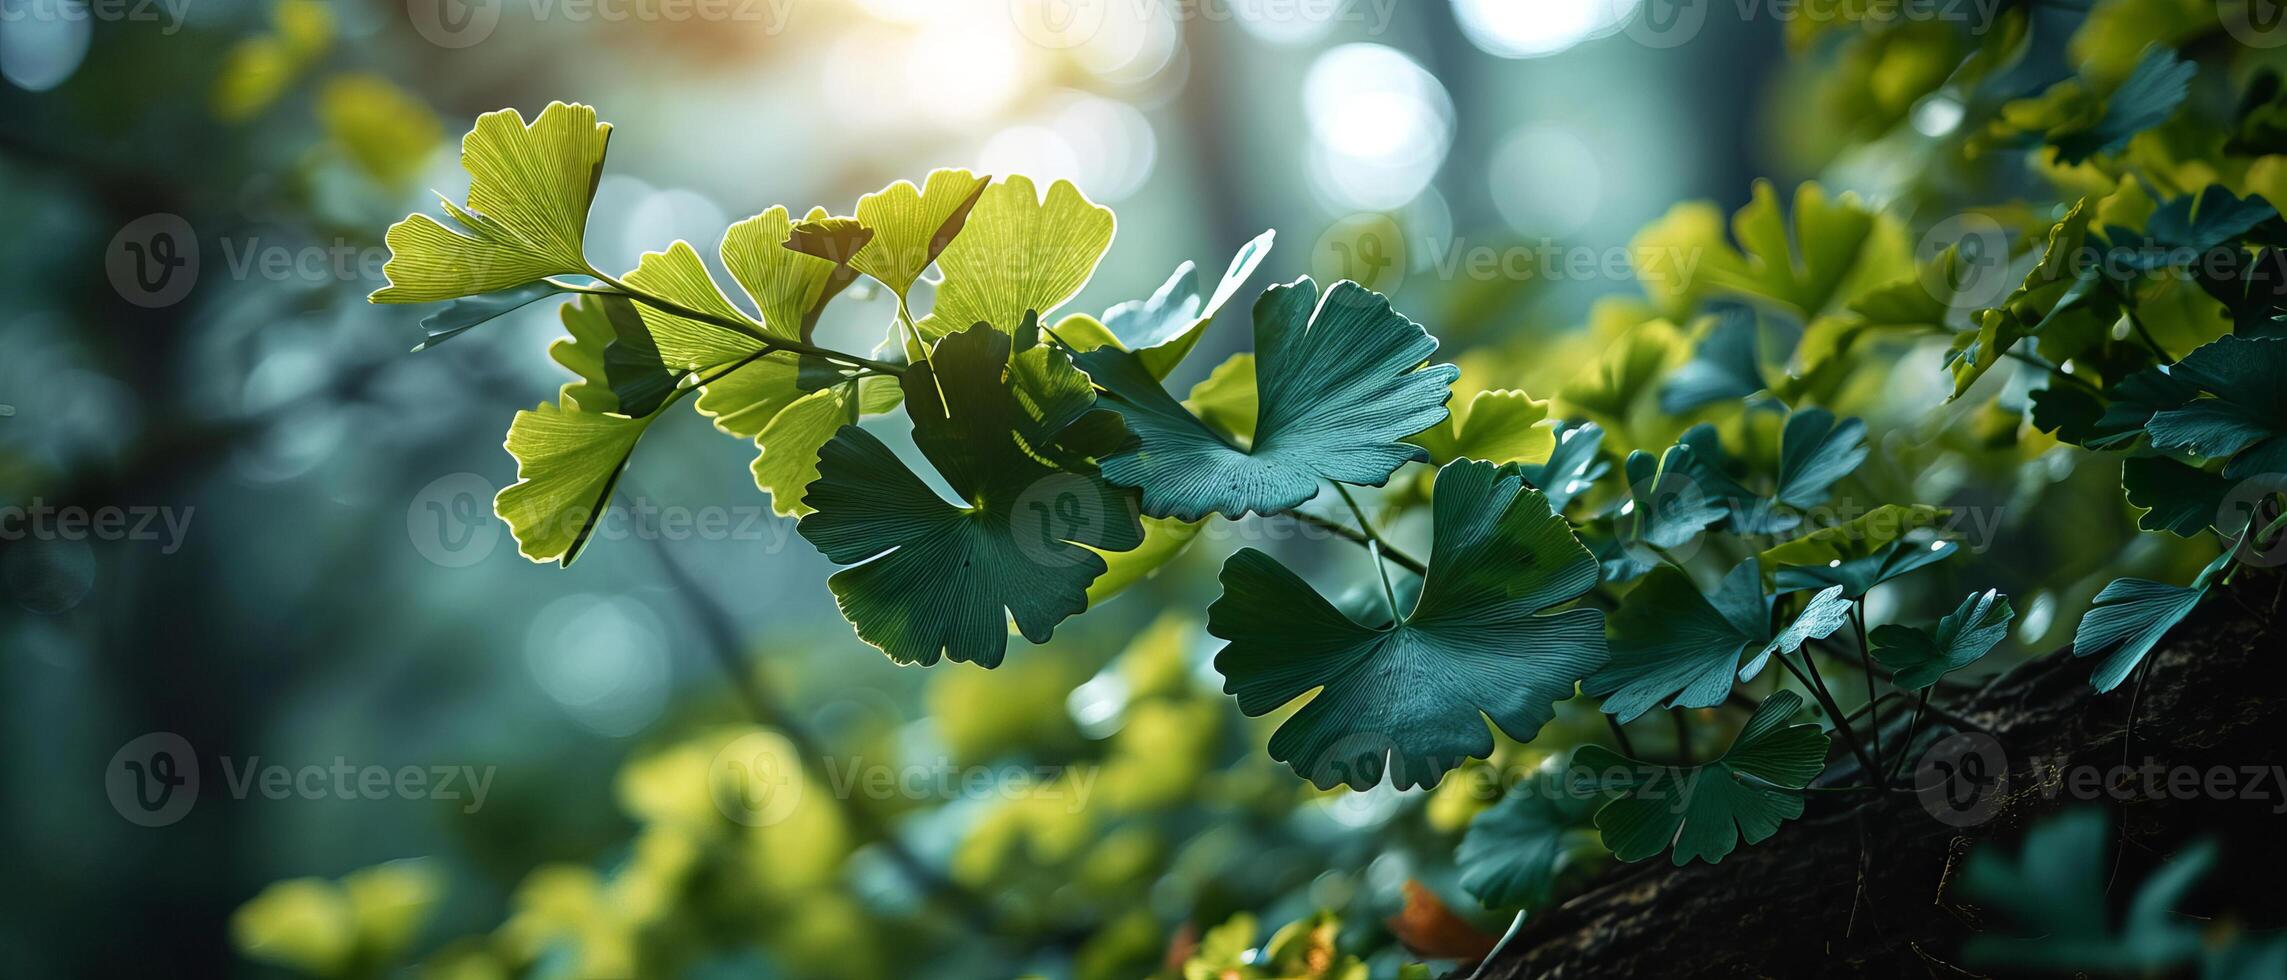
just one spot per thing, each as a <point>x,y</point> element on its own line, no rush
<point>2242,512</point>
<point>1059,508</point>
<point>153,261</point>
<point>153,779</point>
<point>1667,23</point>
<point>1978,276</point>
<point>756,779</point>
<point>1962,779</point>
<point>1368,249</point>
<point>450,521</point>
<point>2254,23</point>
<point>454,23</point>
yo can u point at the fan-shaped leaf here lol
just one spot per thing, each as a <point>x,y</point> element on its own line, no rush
<point>2129,618</point>
<point>1339,383</point>
<point>1922,656</point>
<point>527,211</point>
<point>1412,698</point>
<point>1705,811</point>
<point>1162,329</point>
<point>1515,850</point>
<point>934,579</point>
<point>1018,253</point>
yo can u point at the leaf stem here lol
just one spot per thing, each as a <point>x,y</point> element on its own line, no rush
<point>1817,686</point>
<point>1361,538</point>
<point>1866,662</point>
<point>1620,735</point>
<point>742,327</point>
<point>2053,370</point>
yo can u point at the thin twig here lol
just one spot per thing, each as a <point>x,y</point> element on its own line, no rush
<point>1361,539</point>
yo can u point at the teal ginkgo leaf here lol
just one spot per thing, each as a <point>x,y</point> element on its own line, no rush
<point>2145,99</point>
<point>527,212</point>
<point>1724,367</point>
<point>2129,617</point>
<point>1673,646</point>
<point>2245,418</point>
<point>933,579</point>
<point>1669,500</point>
<point>470,312</point>
<point>1703,812</point>
<point>1340,384</point>
<point>2056,897</point>
<point>1867,551</point>
<point>1411,699</point>
<point>2179,499</point>
<point>1516,850</point>
<point>1574,464</point>
<point>1921,656</point>
<point>1162,329</point>
<point>1815,452</point>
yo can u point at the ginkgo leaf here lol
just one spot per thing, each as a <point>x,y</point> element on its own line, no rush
<point>1816,451</point>
<point>527,212</point>
<point>2252,286</point>
<point>2182,500</point>
<point>1724,367</point>
<point>567,464</point>
<point>1668,501</point>
<point>1226,399</point>
<point>1164,538</point>
<point>1823,253</point>
<point>2129,618</point>
<point>790,288</point>
<point>2057,896</point>
<point>934,579</point>
<point>2145,99</point>
<point>1704,812</point>
<point>2188,225</point>
<point>2044,288</point>
<point>1674,647</point>
<point>1163,329</point>
<point>469,312</point>
<point>1922,656</point>
<point>1412,698</point>
<point>912,226</point>
<point>1859,554</point>
<point>1018,253</point>
<point>787,461</point>
<point>1515,851</point>
<point>1340,383</point>
<point>2246,419</point>
<point>1574,464</point>
<point>604,352</point>
<point>1495,426</point>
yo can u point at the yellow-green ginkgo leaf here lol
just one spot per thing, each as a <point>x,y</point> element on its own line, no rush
<point>789,287</point>
<point>706,331</point>
<point>1826,252</point>
<point>1226,398</point>
<point>527,212</point>
<point>1164,539</point>
<point>913,225</point>
<point>788,460</point>
<point>1018,253</point>
<point>567,463</point>
<point>1495,426</point>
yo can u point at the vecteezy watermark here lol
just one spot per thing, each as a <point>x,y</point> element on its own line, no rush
<point>153,780</point>
<point>42,521</point>
<point>153,261</point>
<point>1668,23</point>
<point>1071,23</point>
<point>465,23</point>
<point>450,522</point>
<point>168,14</point>
<point>1962,779</point>
<point>758,780</point>
<point>2254,23</point>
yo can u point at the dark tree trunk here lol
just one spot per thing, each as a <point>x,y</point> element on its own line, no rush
<point>1860,888</point>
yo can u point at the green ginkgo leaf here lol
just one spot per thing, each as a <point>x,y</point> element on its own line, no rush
<point>1162,329</point>
<point>1704,812</point>
<point>1669,502</point>
<point>1164,539</point>
<point>1824,252</point>
<point>1412,698</point>
<point>790,288</point>
<point>1515,851</point>
<point>2129,618</point>
<point>1495,426</point>
<point>1922,656</point>
<point>567,464</point>
<point>2044,288</point>
<point>1574,464</point>
<point>569,456</point>
<point>2145,99</point>
<point>1861,553</point>
<point>527,212</point>
<point>1815,451</point>
<point>2059,903</point>
<point>787,459</point>
<point>1226,399</point>
<point>1018,253</point>
<point>2246,417</point>
<point>934,579</point>
<point>1724,367</point>
<point>2182,500</point>
<point>1674,647</point>
<point>1340,384</point>
<point>912,226</point>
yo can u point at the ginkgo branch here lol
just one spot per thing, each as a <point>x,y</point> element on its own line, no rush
<point>749,330</point>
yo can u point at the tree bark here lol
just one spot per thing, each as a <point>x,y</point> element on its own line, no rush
<point>1865,888</point>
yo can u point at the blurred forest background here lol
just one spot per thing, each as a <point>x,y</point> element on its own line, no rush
<point>338,590</point>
